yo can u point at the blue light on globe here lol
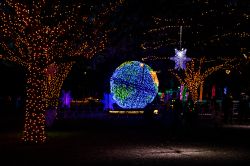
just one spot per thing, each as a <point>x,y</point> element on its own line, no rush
<point>133,85</point>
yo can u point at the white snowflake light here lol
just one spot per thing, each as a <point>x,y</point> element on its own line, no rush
<point>180,59</point>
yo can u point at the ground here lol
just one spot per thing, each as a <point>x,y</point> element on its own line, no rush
<point>95,142</point>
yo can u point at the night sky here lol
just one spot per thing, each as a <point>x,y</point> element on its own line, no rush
<point>213,28</point>
<point>12,79</point>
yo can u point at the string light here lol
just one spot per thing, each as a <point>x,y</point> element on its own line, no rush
<point>194,77</point>
<point>159,37</point>
<point>180,58</point>
<point>40,41</point>
<point>160,33</point>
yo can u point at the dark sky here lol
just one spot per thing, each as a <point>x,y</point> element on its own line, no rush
<point>12,79</point>
<point>220,17</point>
<point>216,37</point>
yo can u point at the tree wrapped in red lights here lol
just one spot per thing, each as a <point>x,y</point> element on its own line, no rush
<point>44,37</point>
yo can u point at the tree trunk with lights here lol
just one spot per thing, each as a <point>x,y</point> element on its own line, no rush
<point>193,88</point>
<point>35,106</point>
<point>193,91</point>
<point>43,91</point>
<point>194,77</point>
<point>55,77</point>
<point>40,36</point>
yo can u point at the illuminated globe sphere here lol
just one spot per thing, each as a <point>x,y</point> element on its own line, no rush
<point>133,85</point>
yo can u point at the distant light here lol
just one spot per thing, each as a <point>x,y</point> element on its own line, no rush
<point>225,90</point>
<point>245,56</point>
<point>156,112</point>
<point>126,112</point>
<point>228,71</point>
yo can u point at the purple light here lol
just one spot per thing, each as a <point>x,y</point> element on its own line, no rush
<point>66,99</point>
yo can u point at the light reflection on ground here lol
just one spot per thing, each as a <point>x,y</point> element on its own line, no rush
<point>226,145</point>
<point>237,126</point>
<point>177,152</point>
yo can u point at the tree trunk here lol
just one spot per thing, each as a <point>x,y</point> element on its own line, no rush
<point>35,106</point>
<point>53,86</point>
<point>193,91</point>
<point>55,82</point>
<point>201,92</point>
<point>41,95</point>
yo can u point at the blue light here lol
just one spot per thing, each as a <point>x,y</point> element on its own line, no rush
<point>108,102</point>
<point>225,90</point>
<point>134,85</point>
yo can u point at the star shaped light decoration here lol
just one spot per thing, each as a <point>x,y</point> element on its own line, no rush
<point>180,59</point>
